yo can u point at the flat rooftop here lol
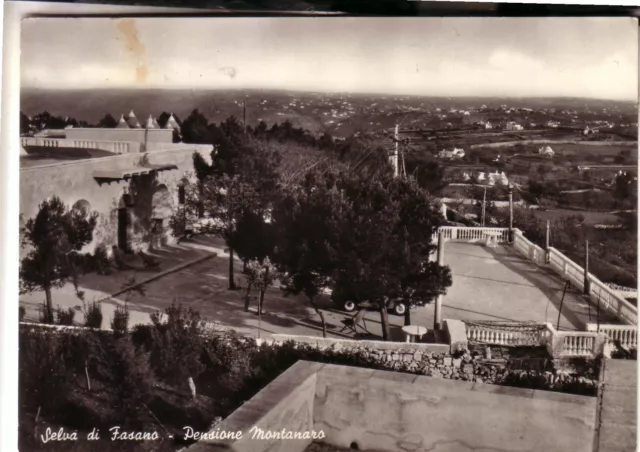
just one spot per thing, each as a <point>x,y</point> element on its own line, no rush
<point>391,411</point>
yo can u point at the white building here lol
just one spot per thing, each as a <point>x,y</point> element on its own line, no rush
<point>456,153</point>
<point>512,125</point>
<point>546,151</point>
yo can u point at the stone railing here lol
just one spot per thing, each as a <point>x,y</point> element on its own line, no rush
<point>117,147</point>
<point>600,294</point>
<point>626,335</point>
<point>528,249</point>
<point>574,344</point>
<point>471,234</point>
<point>559,344</point>
<point>515,335</point>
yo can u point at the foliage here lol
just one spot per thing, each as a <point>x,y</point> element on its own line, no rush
<point>93,315</point>
<point>120,320</point>
<point>65,316</point>
<point>125,371</point>
<point>108,122</point>
<point>307,222</point>
<point>195,129</point>
<point>174,343</point>
<point>53,238</point>
<point>429,174</point>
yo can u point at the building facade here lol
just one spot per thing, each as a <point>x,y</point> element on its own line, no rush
<point>134,191</point>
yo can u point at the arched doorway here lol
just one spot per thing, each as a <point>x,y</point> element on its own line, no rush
<point>124,222</point>
<point>161,211</point>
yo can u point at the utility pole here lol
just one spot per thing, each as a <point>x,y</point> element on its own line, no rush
<point>587,281</point>
<point>510,213</point>
<point>244,115</point>
<point>547,242</point>
<point>437,317</point>
<point>484,204</point>
<point>395,154</point>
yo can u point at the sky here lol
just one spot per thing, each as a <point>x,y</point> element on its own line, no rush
<point>507,57</point>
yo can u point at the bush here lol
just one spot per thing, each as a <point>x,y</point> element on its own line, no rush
<point>175,344</point>
<point>93,315</point>
<point>44,378</point>
<point>22,313</point>
<point>45,317</point>
<point>65,317</point>
<point>100,262</point>
<point>120,321</point>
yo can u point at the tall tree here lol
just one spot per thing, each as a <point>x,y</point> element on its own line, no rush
<point>308,222</point>
<point>108,122</point>
<point>227,199</point>
<point>195,129</point>
<point>53,237</point>
<point>399,217</point>
<point>25,124</point>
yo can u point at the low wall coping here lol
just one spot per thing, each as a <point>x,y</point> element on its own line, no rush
<point>354,344</point>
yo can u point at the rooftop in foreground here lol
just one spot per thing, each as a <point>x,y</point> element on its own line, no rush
<point>390,411</point>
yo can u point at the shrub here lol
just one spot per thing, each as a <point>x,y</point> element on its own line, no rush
<point>43,375</point>
<point>45,315</point>
<point>128,380</point>
<point>175,344</point>
<point>65,317</point>
<point>22,312</point>
<point>93,315</point>
<point>100,262</point>
<point>120,321</point>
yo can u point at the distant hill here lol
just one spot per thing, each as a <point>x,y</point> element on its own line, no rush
<point>339,114</point>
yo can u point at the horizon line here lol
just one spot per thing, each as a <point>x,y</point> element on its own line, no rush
<point>310,91</point>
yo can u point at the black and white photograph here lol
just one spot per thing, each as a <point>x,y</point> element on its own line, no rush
<point>324,234</point>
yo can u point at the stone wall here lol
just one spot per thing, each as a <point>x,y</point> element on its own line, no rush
<point>436,360</point>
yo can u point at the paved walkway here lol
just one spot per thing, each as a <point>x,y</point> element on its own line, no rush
<point>500,284</point>
<point>488,284</point>
<point>618,407</point>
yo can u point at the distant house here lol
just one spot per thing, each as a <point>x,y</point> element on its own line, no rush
<point>487,125</point>
<point>455,153</point>
<point>512,125</point>
<point>553,124</point>
<point>546,151</point>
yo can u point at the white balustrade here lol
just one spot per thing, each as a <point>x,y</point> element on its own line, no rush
<point>626,335</point>
<point>575,344</point>
<point>471,234</point>
<point>498,336</point>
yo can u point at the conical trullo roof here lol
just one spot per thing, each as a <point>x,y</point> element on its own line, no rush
<point>150,123</point>
<point>132,121</point>
<point>122,124</point>
<point>172,123</point>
